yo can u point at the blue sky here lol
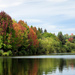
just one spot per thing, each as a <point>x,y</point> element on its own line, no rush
<point>53,15</point>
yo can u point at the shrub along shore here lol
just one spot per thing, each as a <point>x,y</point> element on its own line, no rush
<point>17,38</point>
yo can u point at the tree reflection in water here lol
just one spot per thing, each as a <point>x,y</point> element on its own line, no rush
<point>11,66</point>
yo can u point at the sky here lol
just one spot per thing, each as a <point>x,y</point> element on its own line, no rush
<point>53,15</point>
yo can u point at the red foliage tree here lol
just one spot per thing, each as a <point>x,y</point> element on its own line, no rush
<point>5,28</point>
<point>5,23</point>
<point>35,29</point>
<point>70,39</point>
<point>33,38</point>
<point>22,23</point>
<point>71,34</point>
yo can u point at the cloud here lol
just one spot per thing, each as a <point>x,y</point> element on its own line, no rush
<point>56,0</point>
<point>68,29</point>
<point>64,30</point>
<point>45,9</point>
<point>10,3</point>
<point>47,14</point>
<point>49,27</point>
<point>33,20</point>
<point>55,28</point>
<point>46,26</point>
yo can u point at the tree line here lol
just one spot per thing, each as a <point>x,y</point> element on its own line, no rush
<point>17,38</point>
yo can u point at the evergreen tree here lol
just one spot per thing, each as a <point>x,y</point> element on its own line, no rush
<point>45,31</point>
<point>61,38</point>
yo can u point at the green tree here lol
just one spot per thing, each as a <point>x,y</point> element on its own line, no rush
<point>61,38</point>
<point>40,30</point>
<point>48,35</point>
<point>1,42</point>
<point>45,31</point>
<point>66,36</point>
<point>49,45</point>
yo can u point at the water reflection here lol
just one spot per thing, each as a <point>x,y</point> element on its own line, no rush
<point>45,66</point>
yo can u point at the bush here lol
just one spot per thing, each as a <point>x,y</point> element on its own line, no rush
<point>5,54</point>
<point>22,52</point>
<point>1,52</point>
<point>9,53</point>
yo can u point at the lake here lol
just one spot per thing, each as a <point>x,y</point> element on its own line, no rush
<point>38,65</point>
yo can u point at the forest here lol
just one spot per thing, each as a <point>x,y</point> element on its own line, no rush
<point>17,38</point>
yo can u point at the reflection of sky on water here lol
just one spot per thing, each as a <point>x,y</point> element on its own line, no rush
<point>66,71</point>
<point>46,56</point>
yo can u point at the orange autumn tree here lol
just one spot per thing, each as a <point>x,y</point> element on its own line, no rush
<point>37,31</point>
<point>24,24</point>
<point>26,38</point>
<point>70,39</point>
<point>33,40</point>
<point>20,35</point>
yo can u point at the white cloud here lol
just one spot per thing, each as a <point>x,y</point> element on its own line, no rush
<point>64,30</point>
<point>47,26</point>
<point>44,12</point>
<point>33,20</point>
<point>55,29</point>
<point>10,3</point>
<point>69,29</point>
<point>57,0</point>
<point>46,9</point>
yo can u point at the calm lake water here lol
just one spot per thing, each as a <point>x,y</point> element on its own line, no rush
<point>38,65</point>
